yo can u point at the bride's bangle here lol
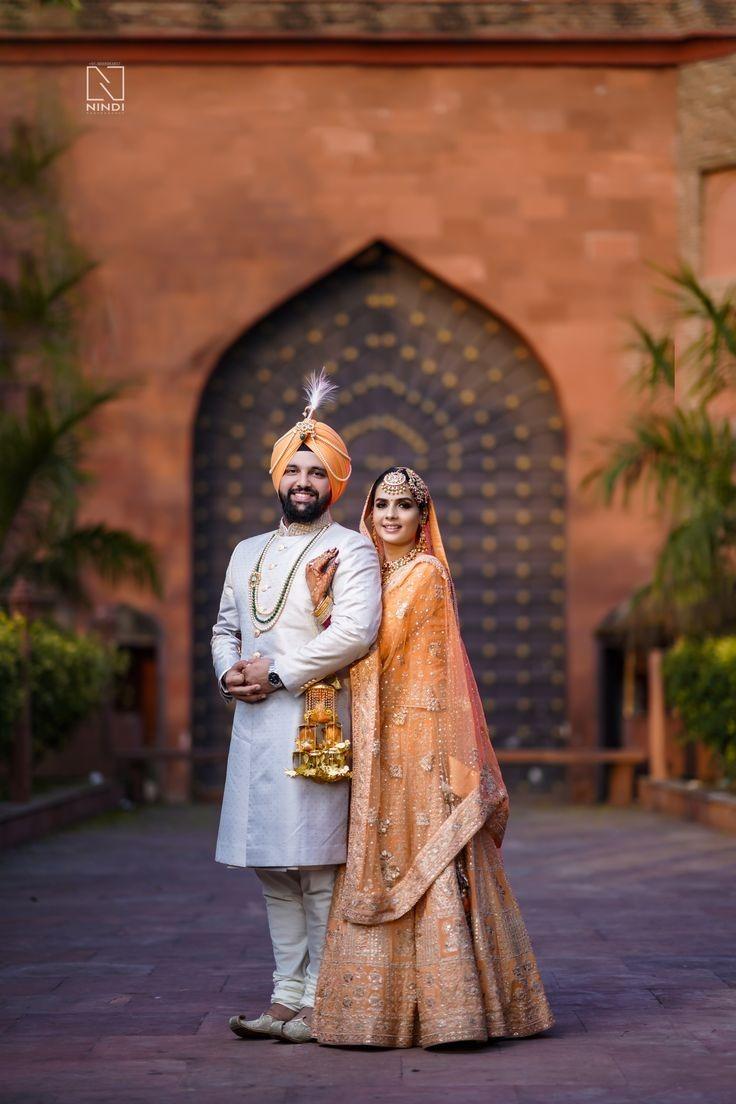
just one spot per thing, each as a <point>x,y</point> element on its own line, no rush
<point>323,610</point>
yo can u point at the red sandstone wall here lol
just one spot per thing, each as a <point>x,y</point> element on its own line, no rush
<point>221,190</point>
<point>719,224</point>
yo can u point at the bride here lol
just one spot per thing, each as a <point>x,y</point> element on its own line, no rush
<point>425,942</point>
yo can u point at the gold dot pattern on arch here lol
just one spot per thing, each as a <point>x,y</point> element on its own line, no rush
<point>394,425</point>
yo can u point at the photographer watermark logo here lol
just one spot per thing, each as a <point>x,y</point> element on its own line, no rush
<point>105,88</point>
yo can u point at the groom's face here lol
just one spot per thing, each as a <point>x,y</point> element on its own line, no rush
<point>304,489</point>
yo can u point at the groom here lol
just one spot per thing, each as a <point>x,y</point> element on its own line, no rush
<point>269,645</point>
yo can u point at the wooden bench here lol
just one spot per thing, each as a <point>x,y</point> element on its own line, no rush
<point>133,763</point>
<point>622,761</point>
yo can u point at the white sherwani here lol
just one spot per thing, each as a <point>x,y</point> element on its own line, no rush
<point>269,819</point>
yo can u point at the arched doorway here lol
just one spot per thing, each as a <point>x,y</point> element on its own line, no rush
<point>430,378</point>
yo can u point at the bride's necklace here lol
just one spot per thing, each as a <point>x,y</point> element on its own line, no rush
<point>389,566</point>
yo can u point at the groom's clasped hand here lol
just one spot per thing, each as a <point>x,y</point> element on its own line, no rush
<point>247,679</point>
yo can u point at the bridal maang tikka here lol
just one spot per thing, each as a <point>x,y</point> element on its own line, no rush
<point>396,483</point>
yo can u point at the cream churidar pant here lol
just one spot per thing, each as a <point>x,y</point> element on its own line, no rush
<point>297,905</point>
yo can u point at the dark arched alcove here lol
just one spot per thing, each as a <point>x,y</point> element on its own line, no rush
<point>430,378</point>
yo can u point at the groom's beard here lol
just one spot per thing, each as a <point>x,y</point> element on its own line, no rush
<point>304,511</point>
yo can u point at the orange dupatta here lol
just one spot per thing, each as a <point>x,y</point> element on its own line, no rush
<point>415,691</point>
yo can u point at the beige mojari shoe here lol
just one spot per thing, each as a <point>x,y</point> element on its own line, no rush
<point>297,1031</point>
<point>263,1027</point>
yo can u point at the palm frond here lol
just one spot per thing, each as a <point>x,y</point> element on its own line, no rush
<point>24,161</point>
<point>711,355</point>
<point>669,454</point>
<point>113,554</point>
<point>693,551</point>
<point>52,401</point>
<point>657,358</point>
<point>33,304</point>
<point>39,451</point>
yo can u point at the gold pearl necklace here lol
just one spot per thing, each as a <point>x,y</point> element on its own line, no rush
<point>389,566</point>
<point>263,620</point>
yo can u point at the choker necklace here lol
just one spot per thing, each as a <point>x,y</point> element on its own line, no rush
<point>389,566</point>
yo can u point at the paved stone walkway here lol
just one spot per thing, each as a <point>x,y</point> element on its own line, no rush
<point>125,947</point>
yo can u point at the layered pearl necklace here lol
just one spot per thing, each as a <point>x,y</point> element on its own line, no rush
<point>262,619</point>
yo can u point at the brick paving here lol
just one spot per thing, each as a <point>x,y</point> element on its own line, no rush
<point>125,947</point>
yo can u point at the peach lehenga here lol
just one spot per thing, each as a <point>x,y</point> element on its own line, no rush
<point>425,942</point>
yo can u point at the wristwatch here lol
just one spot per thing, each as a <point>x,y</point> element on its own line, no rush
<point>274,679</point>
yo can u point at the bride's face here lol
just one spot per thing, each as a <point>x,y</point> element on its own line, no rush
<point>396,520</point>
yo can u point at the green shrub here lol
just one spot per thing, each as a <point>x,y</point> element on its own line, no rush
<point>10,691</point>
<point>700,683</point>
<point>69,672</point>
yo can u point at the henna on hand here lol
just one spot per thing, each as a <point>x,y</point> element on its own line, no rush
<point>320,573</point>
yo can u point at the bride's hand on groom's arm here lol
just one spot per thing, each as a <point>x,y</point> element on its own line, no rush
<point>320,573</point>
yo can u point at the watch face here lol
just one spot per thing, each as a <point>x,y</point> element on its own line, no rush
<point>274,679</point>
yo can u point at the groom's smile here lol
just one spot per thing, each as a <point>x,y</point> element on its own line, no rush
<point>302,496</point>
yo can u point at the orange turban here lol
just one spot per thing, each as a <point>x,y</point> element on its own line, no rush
<point>323,441</point>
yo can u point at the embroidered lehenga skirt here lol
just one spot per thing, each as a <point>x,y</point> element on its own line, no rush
<point>434,975</point>
<point>425,942</point>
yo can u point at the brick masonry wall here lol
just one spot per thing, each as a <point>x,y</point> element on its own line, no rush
<point>718,251</point>
<point>707,143</point>
<point>222,190</point>
<point>707,172</point>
